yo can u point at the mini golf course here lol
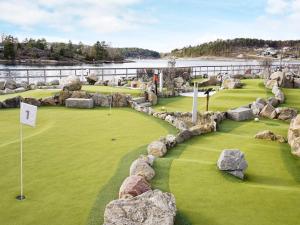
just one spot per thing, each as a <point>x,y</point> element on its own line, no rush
<point>75,161</point>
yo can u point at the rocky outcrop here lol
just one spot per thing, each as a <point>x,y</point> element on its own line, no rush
<point>285,113</point>
<point>231,83</point>
<point>50,101</point>
<point>157,149</point>
<point>211,81</point>
<point>294,136</point>
<point>101,100</point>
<point>150,208</point>
<point>10,84</point>
<point>133,186</point>
<point>12,102</point>
<point>92,79</point>
<point>268,111</point>
<point>269,135</point>
<point>120,100</point>
<point>32,101</point>
<point>152,97</point>
<point>71,83</point>
<point>233,162</point>
<point>80,94</point>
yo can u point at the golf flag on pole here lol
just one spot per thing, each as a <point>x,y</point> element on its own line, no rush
<point>27,117</point>
<point>28,114</point>
<point>195,103</point>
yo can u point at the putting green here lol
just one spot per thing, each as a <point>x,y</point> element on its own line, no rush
<point>68,159</point>
<point>270,195</point>
<point>222,100</point>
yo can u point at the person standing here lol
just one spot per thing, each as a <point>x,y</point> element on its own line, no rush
<point>155,81</point>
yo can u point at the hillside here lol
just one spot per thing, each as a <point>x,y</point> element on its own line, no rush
<point>244,46</point>
<point>31,51</point>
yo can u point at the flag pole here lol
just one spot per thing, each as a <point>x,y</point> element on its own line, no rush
<point>21,196</point>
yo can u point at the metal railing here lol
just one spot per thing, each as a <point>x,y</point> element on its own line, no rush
<point>103,73</point>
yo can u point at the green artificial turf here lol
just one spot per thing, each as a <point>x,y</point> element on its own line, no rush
<point>72,159</point>
<point>109,90</point>
<point>32,93</point>
<point>292,98</point>
<point>221,101</point>
<point>270,194</point>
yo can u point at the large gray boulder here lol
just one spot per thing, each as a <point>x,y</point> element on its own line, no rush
<point>150,208</point>
<point>2,84</point>
<point>231,83</point>
<point>133,186</point>
<point>157,149</point>
<point>233,162</point>
<point>12,102</point>
<point>92,79</point>
<point>120,100</point>
<point>240,114</point>
<point>268,111</point>
<point>71,83</point>
<point>256,107</point>
<point>79,103</point>
<point>10,84</point>
<point>285,113</point>
<point>101,100</point>
<point>141,167</point>
<point>294,136</point>
<point>32,101</point>
<point>183,136</point>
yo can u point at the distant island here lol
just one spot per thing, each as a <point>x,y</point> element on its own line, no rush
<point>242,48</point>
<point>39,51</point>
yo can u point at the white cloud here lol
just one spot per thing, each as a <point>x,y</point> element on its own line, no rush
<point>67,15</point>
<point>277,6</point>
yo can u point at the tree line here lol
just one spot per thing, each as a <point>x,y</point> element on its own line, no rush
<point>227,47</point>
<point>41,49</point>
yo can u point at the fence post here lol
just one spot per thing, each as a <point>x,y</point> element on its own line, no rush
<point>126,73</point>
<point>27,76</point>
<point>45,78</point>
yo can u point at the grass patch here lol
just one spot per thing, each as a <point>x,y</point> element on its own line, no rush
<point>68,158</point>
<point>32,94</point>
<point>221,101</point>
<point>109,90</point>
<point>269,195</point>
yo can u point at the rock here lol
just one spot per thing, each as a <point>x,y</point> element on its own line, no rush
<point>9,91</point>
<point>148,159</point>
<point>273,101</point>
<point>178,82</point>
<point>79,103</point>
<point>170,141</point>
<point>279,77</point>
<point>32,101</point>
<point>240,114</point>
<point>269,135</point>
<point>170,119</point>
<point>270,84</point>
<point>233,162</point>
<point>24,84</point>
<point>142,168</point>
<point>294,136</point>
<point>149,208</point>
<point>285,113</point>
<point>152,98</point>
<point>50,101</point>
<point>92,79</point>
<point>1,105</point>
<point>256,107</point>
<point>20,89</point>
<point>120,100</point>
<point>139,100</point>
<point>231,83</point>
<point>62,96</point>
<point>2,84</point>
<point>212,81</point>
<point>80,94</point>
<point>157,149</point>
<point>180,125</point>
<point>12,102</point>
<point>10,84</point>
<point>267,111</point>
<point>101,100</point>
<point>134,186</point>
<point>40,83</point>
<point>261,101</point>
<point>280,96</point>
<point>183,136</point>
<point>71,83</point>
<point>32,87</point>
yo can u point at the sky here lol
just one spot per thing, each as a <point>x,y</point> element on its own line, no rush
<point>161,25</point>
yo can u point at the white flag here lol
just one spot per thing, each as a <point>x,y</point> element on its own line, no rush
<point>28,114</point>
